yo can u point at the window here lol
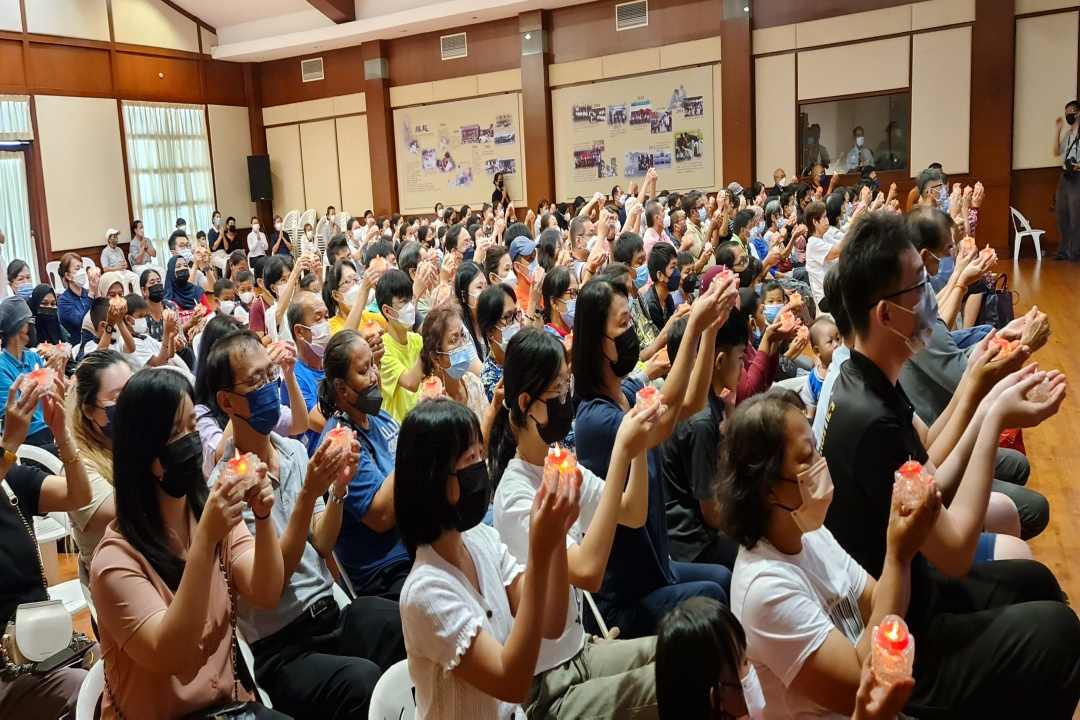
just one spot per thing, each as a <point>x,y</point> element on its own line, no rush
<point>15,132</point>
<point>168,156</point>
<point>828,132</point>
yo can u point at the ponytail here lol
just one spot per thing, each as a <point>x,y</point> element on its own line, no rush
<point>502,444</point>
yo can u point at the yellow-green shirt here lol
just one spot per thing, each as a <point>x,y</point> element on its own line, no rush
<point>337,322</point>
<point>397,359</point>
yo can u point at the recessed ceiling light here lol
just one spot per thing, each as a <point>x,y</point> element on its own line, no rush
<point>528,36</point>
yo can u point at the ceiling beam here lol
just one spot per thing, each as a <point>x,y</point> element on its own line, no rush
<point>340,11</point>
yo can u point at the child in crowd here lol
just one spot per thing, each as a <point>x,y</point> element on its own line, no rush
<point>401,367</point>
<point>824,339</point>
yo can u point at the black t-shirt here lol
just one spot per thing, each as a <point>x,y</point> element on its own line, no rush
<point>658,313</point>
<point>868,435</point>
<point>497,197</point>
<point>20,572</point>
<point>690,460</point>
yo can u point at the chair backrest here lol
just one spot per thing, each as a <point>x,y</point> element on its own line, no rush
<point>306,217</point>
<point>93,685</point>
<point>52,274</point>
<point>343,219</point>
<point>42,457</point>
<point>392,698</point>
<point>1019,220</point>
<point>88,262</point>
<point>290,224</point>
<point>340,596</point>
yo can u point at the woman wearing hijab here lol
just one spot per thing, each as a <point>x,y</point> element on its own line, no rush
<point>178,285</point>
<point>43,305</point>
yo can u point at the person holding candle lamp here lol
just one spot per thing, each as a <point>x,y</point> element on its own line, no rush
<point>312,658</point>
<point>576,675</point>
<point>806,606</point>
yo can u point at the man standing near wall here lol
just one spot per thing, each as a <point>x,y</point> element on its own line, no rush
<point>1067,200</point>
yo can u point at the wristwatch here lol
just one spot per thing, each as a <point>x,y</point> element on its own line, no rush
<point>10,458</point>
<point>334,499</point>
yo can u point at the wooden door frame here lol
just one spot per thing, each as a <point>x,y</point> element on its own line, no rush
<point>34,209</point>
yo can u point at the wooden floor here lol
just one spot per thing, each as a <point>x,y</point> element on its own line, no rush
<point>1053,448</point>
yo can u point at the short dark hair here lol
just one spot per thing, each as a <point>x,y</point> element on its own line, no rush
<point>869,265</point>
<point>725,253</point>
<point>433,436</point>
<point>222,285</point>
<point>689,202</point>
<point>814,212</point>
<point>751,462</point>
<point>514,231</point>
<point>699,644</point>
<point>335,245</point>
<point>489,308</point>
<point>931,229</point>
<point>626,246</point>
<point>928,176</point>
<point>832,301</point>
<point>834,206</point>
<point>742,219</point>
<point>408,257</point>
<point>244,276</point>
<point>491,261</point>
<point>379,249</point>
<point>659,256</point>
<point>392,285</point>
<point>135,302</point>
<point>217,329</point>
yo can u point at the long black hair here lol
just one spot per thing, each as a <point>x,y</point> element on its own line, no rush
<point>462,279</point>
<point>590,329</point>
<point>556,283</point>
<point>218,328</point>
<point>145,413</point>
<point>533,360</point>
<point>547,248</point>
<point>433,436</point>
<point>699,644</point>
<point>489,309</point>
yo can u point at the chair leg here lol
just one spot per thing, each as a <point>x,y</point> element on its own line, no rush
<point>1016,247</point>
<point>1038,248</point>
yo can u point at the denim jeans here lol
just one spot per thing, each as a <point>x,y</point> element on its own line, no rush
<point>966,337</point>
<point>639,617</point>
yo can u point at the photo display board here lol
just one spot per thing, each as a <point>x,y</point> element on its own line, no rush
<point>612,132</point>
<point>449,152</point>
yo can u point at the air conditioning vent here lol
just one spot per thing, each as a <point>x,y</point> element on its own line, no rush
<point>311,69</point>
<point>452,47</point>
<point>630,15</point>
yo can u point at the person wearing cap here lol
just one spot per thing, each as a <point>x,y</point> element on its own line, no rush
<point>17,334</point>
<point>113,260</point>
<point>530,276</point>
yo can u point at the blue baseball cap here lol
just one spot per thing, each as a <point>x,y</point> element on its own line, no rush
<point>521,246</point>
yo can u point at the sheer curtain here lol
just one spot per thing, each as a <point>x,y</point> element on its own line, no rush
<point>15,122</point>
<point>168,156</point>
<point>15,214</point>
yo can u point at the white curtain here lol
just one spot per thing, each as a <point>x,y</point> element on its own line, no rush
<point>168,156</point>
<point>15,215</point>
<point>15,122</point>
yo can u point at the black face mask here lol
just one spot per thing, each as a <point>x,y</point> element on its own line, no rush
<point>182,276</point>
<point>369,401</point>
<point>182,462</point>
<point>560,416</point>
<point>628,348</point>
<point>1070,118</point>
<point>475,496</point>
<point>156,292</point>
<point>47,312</point>
<point>107,428</point>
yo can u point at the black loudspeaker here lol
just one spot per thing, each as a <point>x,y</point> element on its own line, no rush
<point>259,177</point>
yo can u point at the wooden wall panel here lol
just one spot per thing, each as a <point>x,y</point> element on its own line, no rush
<point>1032,193</point>
<point>492,46</point>
<point>224,82</point>
<point>584,31</point>
<point>146,77</point>
<point>12,73</point>
<point>62,69</point>
<point>770,13</point>
<point>279,80</point>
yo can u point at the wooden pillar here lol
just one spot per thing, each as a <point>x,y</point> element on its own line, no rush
<point>380,125</point>
<point>536,107</point>
<point>993,39</point>
<point>736,95</point>
<point>264,209</point>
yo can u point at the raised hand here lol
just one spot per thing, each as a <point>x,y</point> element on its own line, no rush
<point>223,510</point>
<point>636,426</point>
<point>977,195</point>
<point>283,354</point>
<point>909,526</point>
<point>260,497</point>
<point>53,407</point>
<point>1019,411</point>
<point>20,410</point>
<point>876,700</point>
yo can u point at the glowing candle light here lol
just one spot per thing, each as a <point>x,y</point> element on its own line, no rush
<point>553,465</point>
<point>913,483</point>
<point>242,467</point>
<point>648,398</point>
<point>340,436</point>
<point>432,388</point>
<point>43,376</point>
<point>787,321</point>
<point>893,650</point>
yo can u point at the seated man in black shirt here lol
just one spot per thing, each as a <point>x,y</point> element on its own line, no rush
<point>664,272</point>
<point>995,638</point>
<point>691,454</point>
<point>28,491</point>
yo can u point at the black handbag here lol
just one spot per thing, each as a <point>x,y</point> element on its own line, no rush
<point>998,308</point>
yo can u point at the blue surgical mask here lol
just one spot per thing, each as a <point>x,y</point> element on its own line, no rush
<point>507,333</point>
<point>641,279</point>
<point>772,311</point>
<point>943,198</point>
<point>532,268</point>
<point>460,360</point>
<point>702,214</point>
<point>264,405</point>
<point>568,315</point>
<point>25,291</point>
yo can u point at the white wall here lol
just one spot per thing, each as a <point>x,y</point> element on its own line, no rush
<point>85,190</point>
<point>151,22</point>
<point>230,144</point>
<point>10,15</point>
<point>286,168</point>
<point>354,163</point>
<point>774,115</point>
<point>1046,50</point>
<point>941,102</point>
<point>69,18</point>
<point>318,148</point>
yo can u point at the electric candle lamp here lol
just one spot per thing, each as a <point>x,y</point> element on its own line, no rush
<point>913,483</point>
<point>967,244</point>
<point>432,388</point>
<point>787,321</point>
<point>242,467</point>
<point>557,458</point>
<point>648,398</point>
<point>340,436</point>
<point>1004,345</point>
<point>43,376</point>
<point>893,650</point>
<point>795,300</point>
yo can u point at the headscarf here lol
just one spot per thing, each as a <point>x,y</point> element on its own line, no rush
<point>108,280</point>
<point>48,325</point>
<point>185,295</point>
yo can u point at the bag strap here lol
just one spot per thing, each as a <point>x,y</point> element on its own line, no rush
<point>13,500</point>
<point>1002,282</point>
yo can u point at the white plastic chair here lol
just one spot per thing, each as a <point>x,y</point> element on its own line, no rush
<point>393,698</point>
<point>249,661</point>
<point>290,225</point>
<point>93,685</point>
<point>341,597</point>
<point>88,262</point>
<point>324,230</point>
<point>597,616</point>
<point>52,272</point>
<point>342,220</point>
<point>1022,229</point>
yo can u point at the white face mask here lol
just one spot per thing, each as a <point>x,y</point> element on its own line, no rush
<point>406,315</point>
<point>80,278</point>
<point>816,490</point>
<point>507,333</point>
<point>247,297</point>
<point>510,279</point>
<point>254,227</point>
<point>139,326</point>
<point>860,140</point>
<point>227,306</point>
<point>320,336</point>
<point>358,234</point>
<point>277,226</point>
<point>352,295</point>
<point>309,234</point>
<point>753,695</point>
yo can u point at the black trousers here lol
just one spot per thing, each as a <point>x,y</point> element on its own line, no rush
<point>326,667</point>
<point>997,643</point>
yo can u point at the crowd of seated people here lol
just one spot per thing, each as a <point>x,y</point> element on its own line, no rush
<point>628,456</point>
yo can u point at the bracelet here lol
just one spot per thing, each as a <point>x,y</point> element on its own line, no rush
<point>335,500</point>
<point>260,517</point>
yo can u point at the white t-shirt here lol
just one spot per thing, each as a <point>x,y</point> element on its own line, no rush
<point>146,348</point>
<point>513,507</point>
<point>257,244</point>
<point>816,250</point>
<point>441,614</point>
<point>788,605</point>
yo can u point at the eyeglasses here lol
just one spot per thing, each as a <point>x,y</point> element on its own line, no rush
<point>271,373</point>
<point>510,317</point>
<point>918,285</point>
